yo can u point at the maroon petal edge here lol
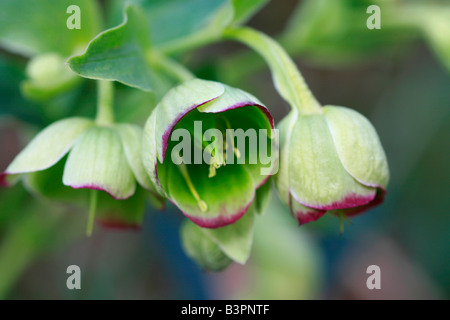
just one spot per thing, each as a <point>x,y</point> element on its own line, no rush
<point>118,224</point>
<point>3,181</point>
<point>349,201</point>
<point>379,198</point>
<point>304,217</point>
<point>219,221</point>
<point>99,188</point>
<point>168,131</point>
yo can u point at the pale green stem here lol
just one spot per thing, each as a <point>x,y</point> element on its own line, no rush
<point>105,102</point>
<point>92,210</point>
<point>287,78</point>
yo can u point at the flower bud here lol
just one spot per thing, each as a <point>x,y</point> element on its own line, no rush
<point>331,161</point>
<point>47,76</point>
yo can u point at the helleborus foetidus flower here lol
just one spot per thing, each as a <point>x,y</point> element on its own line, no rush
<point>332,161</point>
<point>226,137</point>
<point>85,156</point>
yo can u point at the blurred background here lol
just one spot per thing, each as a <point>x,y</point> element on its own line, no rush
<point>398,77</point>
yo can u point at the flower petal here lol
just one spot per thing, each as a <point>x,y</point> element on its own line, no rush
<point>317,176</point>
<point>234,98</point>
<point>49,146</point>
<point>131,136</point>
<point>252,119</point>
<point>199,247</point>
<point>379,198</point>
<point>302,213</point>
<point>149,157</point>
<point>235,240</point>
<point>227,195</point>
<point>177,103</point>
<point>281,179</point>
<point>98,161</point>
<point>262,197</point>
<point>358,146</point>
<point>123,214</point>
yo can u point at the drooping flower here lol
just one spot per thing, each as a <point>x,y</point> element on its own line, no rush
<point>213,179</point>
<point>330,161</point>
<point>85,155</point>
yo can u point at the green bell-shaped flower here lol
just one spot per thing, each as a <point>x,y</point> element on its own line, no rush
<point>88,156</point>
<point>195,150</point>
<point>330,161</point>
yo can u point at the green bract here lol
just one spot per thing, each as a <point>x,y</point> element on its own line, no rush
<point>215,249</point>
<point>215,194</point>
<point>88,156</point>
<point>331,161</point>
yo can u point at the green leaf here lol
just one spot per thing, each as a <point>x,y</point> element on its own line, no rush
<point>199,247</point>
<point>235,240</point>
<point>358,146</point>
<point>98,161</point>
<point>49,146</point>
<point>176,25</point>
<point>245,9</point>
<point>39,26</point>
<point>122,54</point>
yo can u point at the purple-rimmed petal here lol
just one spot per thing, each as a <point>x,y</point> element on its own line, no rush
<point>358,146</point>
<point>149,153</point>
<point>317,178</point>
<point>98,162</point>
<point>177,103</point>
<point>379,198</point>
<point>227,195</point>
<point>49,146</point>
<point>302,213</point>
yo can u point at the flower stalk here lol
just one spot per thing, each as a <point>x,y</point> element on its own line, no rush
<point>287,78</point>
<point>105,103</point>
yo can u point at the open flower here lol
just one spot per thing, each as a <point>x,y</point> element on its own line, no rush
<point>331,161</point>
<point>91,156</point>
<point>202,148</point>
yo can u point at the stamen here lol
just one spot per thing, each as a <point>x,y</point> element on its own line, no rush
<point>230,138</point>
<point>343,218</point>
<point>184,172</point>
